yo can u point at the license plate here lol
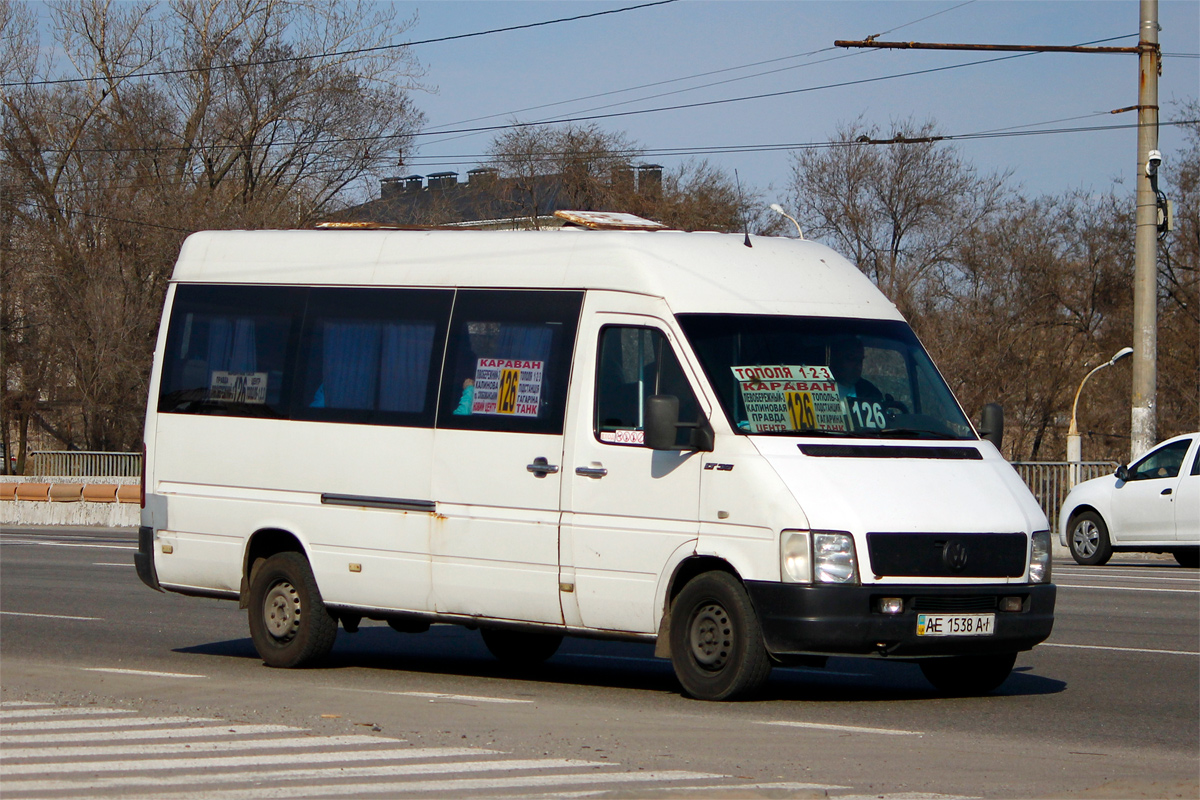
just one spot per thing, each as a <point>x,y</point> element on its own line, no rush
<point>956,624</point>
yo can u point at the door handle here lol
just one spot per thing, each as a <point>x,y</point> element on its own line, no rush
<point>591,472</point>
<point>541,467</point>
<point>1165,491</point>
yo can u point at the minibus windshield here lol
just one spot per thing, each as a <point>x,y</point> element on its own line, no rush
<point>826,377</point>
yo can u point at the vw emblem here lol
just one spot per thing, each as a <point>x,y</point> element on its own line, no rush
<point>954,556</point>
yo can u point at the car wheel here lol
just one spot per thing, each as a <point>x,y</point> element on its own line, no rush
<point>1187,556</point>
<point>1088,539</point>
<point>717,646</point>
<point>289,623</point>
<point>968,675</point>
<point>521,648</point>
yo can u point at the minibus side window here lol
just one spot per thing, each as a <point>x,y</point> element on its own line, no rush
<point>508,360</point>
<point>227,350</point>
<point>633,364</point>
<point>367,356</point>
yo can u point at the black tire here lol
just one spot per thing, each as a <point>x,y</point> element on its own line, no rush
<point>289,623</point>
<point>1187,556</point>
<point>521,648</point>
<point>716,641</point>
<point>964,676</point>
<point>1087,537</point>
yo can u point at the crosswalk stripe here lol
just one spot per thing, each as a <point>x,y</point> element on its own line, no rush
<point>163,748</point>
<point>264,776</point>
<point>157,733</point>
<point>263,759</point>
<point>123,722</point>
<point>459,786</point>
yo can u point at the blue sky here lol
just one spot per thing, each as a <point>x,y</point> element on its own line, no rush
<point>505,73</point>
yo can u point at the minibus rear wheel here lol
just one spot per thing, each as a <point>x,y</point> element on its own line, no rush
<point>717,645</point>
<point>289,623</point>
<point>965,676</point>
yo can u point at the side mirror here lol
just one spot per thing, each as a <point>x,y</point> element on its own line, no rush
<point>991,425</point>
<point>1123,473</point>
<point>662,423</point>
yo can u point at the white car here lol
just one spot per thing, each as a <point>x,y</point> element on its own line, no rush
<point>1152,506</point>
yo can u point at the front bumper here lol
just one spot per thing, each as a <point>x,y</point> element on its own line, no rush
<point>143,559</point>
<point>800,619</point>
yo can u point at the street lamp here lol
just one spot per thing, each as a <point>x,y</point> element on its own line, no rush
<point>1074,449</point>
<point>778,209</point>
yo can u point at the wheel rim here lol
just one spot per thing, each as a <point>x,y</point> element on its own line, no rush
<point>1086,538</point>
<point>711,637</point>
<point>281,611</point>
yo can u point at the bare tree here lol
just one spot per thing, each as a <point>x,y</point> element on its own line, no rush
<point>197,114</point>
<point>898,210</point>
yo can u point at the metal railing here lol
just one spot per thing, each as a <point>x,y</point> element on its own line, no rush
<point>1051,480</point>
<point>77,463</point>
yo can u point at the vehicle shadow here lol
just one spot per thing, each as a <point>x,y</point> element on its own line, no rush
<point>456,651</point>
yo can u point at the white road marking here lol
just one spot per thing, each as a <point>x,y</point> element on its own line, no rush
<point>123,722</point>
<point>1125,576</point>
<point>261,759</point>
<point>145,672</point>
<point>156,733</point>
<point>59,712</point>
<point>48,616</point>
<point>110,564</point>
<point>1122,649</point>
<point>435,696</point>
<point>164,748</point>
<point>80,544</point>
<point>462,787</point>
<point>1128,588</point>
<point>23,703</point>
<point>270,776</point>
<point>840,728</point>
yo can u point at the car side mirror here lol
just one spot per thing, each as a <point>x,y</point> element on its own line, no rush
<point>1123,473</point>
<point>991,424</point>
<point>662,423</point>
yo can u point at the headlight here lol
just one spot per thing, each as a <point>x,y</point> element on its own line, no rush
<point>833,558</point>
<point>795,557</point>
<point>1039,557</point>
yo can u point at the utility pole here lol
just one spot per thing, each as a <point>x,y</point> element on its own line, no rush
<point>1144,404</point>
<point>1144,411</point>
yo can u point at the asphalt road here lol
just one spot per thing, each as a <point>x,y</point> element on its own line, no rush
<point>112,690</point>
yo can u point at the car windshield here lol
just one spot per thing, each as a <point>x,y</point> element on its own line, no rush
<point>819,376</point>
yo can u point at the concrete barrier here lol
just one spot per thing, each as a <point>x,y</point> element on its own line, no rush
<point>92,501</point>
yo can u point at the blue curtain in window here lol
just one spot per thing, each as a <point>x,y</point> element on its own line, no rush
<point>404,371</point>
<point>351,364</point>
<point>528,342</point>
<point>231,346</point>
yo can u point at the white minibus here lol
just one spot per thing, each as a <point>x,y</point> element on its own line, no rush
<point>732,447</point>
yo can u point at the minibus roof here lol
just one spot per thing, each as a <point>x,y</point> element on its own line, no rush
<point>693,272</point>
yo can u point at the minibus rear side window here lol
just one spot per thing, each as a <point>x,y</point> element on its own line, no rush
<point>228,348</point>
<point>372,356</point>
<point>508,360</point>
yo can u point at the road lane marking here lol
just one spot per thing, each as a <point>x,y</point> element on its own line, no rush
<point>840,728</point>
<point>164,748</point>
<point>435,696</point>
<point>121,722</point>
<point>23,704</point>
<point>48,616</point>
<point>264,776</point>
<point>1122,649</point>
<point>158,733</point>
<point>144,672</point>
<point>1127,577</point>
<point>110,564</point>
<point>462,787</point>
<point>263,759</point>
<point>60,712</point>
<point>1128,588</point>
<point>80,544</point>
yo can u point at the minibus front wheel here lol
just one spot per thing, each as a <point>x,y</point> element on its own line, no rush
<point>717,645</point>
<point>289,623</point>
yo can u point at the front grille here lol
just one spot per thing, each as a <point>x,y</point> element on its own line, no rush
<point>953,604</point>
<point>947,555</point>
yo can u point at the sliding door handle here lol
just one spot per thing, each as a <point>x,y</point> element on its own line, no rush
<point>542,467</point>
